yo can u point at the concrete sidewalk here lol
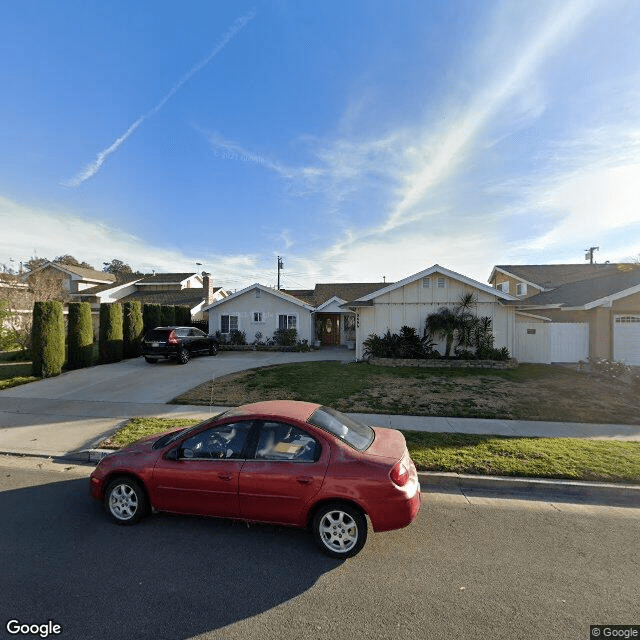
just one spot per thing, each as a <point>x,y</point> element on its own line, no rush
<point>70,428</point>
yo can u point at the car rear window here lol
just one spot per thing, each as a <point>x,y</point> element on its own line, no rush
<point>158,334</point>
<point>358,435</point>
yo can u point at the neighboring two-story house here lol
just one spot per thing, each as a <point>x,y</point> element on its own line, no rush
<point>571,312</point>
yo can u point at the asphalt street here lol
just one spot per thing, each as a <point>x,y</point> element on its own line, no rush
<point>468,567</point>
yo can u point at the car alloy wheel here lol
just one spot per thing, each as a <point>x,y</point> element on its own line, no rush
<point>125,501</point>
<point>183,356</point>
<point>340,530</point>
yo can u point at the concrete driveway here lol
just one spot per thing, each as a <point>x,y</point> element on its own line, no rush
<point>74,411</point>
<point>138,382</point>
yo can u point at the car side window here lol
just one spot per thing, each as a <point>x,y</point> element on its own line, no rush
<point>223,442</point>
<point>281,441</point>
<point>197,332</point>
<point>181,333</point>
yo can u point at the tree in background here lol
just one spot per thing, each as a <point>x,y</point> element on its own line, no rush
<point>167,315</point>
<point>117,268</point>
<point>79,335</point>
<point>183,315</point>
<point>151,317</point>
<point>110,340</point>
<point>132,328</point>
<point>47,339</point>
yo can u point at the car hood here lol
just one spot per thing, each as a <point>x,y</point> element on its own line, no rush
<point>388,443</point>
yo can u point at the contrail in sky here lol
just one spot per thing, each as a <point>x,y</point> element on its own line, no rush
<point>93,167</point>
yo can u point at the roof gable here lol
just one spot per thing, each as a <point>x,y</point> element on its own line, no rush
<point>436,268</point>
<point>269,291</point>
<point>551,276</point>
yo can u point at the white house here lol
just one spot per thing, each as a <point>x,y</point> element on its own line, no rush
<point>259,309</point>
<point>409,302</point>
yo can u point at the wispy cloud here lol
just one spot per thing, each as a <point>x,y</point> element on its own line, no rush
<point>92,168</point>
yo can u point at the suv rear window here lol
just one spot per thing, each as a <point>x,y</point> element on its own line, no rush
<point>158,334</point>
<point>358,435</point>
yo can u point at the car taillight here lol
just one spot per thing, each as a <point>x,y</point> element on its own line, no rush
<point>400,474</point>
<point>172,339</point>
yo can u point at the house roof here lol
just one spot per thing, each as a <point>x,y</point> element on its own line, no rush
<point>81,272</point>
<point>366,300</point>
<point>268,290</point>
<point>190,297</point>
<point>343,290</point>
<point>590,292</point>
<point>99,288</point>
<point>550,276</point>
<point>166,278</point>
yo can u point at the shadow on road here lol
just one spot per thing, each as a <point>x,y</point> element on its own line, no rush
<point>167,577</point>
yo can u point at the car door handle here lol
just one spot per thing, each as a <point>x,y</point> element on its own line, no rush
<point>304,479</point>
<point>224,476</point>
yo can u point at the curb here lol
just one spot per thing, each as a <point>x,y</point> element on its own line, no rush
<point>605,493</point>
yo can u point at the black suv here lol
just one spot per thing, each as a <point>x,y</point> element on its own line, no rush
<point>177,342</point>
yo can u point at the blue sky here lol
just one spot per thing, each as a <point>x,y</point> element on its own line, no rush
<point>358,140</point>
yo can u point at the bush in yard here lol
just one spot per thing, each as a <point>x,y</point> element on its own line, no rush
<point>183,315</point>
<point>110,341</point>
<point>285,337</point>
<point>47,338</point>
<point>151,317</point>
<point>167,315</point>
<point>238,337</point>
<point>79,335</point>
<point>132,329</point>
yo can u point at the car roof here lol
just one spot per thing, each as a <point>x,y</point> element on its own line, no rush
<point>295,409</point>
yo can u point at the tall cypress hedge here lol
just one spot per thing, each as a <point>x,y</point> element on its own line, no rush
<point>79,335</point>
<point>167,315</point>
<point>47,337</point>
<point>183,315</point>
<point>111,337</point>
<point>151,317</point>
<point>132,328</point>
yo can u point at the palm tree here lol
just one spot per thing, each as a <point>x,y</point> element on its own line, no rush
<point>451,324</point>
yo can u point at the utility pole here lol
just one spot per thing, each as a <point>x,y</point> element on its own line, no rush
<point>280,267</point>
<point>589,253</point>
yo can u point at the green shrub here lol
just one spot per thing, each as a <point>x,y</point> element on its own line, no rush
<point>238,337</point>
<point>79,335</point>
<point>47,338</point>
<point>285,337</point>
<point>167,315</point>
<point>183,315</point>
<point>111,338</point>
<point>151,317</point>
<point>132,329</point>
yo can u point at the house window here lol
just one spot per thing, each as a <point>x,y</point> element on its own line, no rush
<point>228,323</point>
<point>257,316</point>
<point>521,289</point>
<point>286,322</point>
<point>440,283</point>
<point>503,286</point>
<point>426,283</point>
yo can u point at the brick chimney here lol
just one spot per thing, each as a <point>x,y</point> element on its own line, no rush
<point>208,287</point>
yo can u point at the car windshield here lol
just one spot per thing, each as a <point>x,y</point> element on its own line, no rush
<point>354,433</point>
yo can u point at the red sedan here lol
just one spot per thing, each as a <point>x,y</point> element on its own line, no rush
<point>293,463</point>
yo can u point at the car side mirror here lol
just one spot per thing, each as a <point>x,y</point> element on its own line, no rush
<point>172,454</point>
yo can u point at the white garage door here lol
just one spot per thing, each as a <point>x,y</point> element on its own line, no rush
<point>626,339</point>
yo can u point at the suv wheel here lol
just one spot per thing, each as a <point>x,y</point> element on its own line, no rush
<point>183,356</point>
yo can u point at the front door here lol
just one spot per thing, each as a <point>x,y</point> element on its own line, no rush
<point>330,330</point>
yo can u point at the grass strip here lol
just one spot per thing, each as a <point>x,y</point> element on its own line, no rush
<point>553,458</point>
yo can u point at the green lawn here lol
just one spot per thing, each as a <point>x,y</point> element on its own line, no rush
<point>565,458</point>
<point>528,392</point>
<point>13,374</point>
